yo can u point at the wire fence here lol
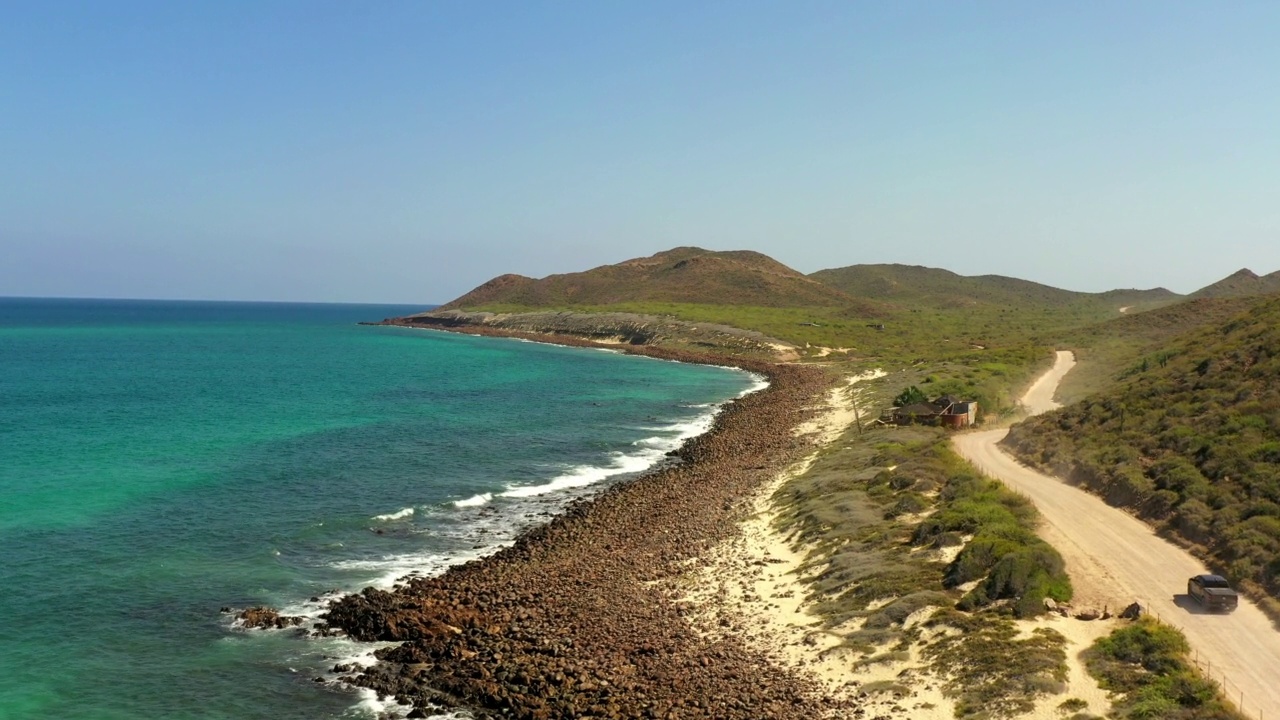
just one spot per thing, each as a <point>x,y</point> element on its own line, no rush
<point>1231,692</point>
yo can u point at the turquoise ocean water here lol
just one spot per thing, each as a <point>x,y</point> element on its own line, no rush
<point>161,460</point>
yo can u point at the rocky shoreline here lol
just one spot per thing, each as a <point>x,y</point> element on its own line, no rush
<point>570,621</point>
<point>611,329</point>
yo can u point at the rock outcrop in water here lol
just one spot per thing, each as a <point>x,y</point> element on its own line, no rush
<point>569,622</point>
<point>266,618</point>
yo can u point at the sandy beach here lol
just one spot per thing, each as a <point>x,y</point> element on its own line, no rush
<point>752,586</point>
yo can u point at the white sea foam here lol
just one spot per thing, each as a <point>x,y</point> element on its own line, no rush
<point>393,568</point>
<point>758,383</point>
<point>370,706</point>
<point>695,427</point>
<point>585,475</point>
<point>398,515</point>
<point>474,501</point>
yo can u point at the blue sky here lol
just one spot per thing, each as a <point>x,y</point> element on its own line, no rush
<point>408,151</point>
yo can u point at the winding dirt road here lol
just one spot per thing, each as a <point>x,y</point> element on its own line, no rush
<point>1114,559</point>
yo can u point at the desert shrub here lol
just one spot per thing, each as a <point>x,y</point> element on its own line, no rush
<point>1145,667</point>
<point>1194,520</point>
<point>907,504</point>
<point>900,609</point>
<point>990,671</point>
<point>1161,503</point>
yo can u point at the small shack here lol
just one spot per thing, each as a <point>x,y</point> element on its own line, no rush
<point>946,412</point>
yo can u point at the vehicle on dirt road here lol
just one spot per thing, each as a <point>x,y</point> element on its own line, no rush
<point>1213,592</point>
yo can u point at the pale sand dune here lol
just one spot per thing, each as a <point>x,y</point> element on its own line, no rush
<point>750,587</point>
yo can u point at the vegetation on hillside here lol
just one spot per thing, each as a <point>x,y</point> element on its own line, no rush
<point>1104,351</point>
<point>1241,283</point>
<point>1191,441</point>
<point>1145,666</point>
<point>924,287</point>
<point>682,275</point>
<point>893,313</point>
<point>991,671</point>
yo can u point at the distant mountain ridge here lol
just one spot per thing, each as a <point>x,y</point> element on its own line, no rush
<point>934,287</point>
<point>743,277</point>
<point>1241,283</point>
<point>680,275</point>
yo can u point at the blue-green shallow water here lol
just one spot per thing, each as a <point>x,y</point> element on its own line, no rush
<point>161,460</point>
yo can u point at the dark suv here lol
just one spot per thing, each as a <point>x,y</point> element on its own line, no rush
<point>1213,592</point>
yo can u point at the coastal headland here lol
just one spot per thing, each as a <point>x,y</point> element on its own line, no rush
<point>572,621</point>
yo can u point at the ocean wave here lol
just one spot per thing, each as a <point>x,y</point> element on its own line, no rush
<point>371,707</point>
<point>585,475</point>
<point>392,569</point>
<point>474,501</point>
<point>398,515</point>
<point>758,383</point>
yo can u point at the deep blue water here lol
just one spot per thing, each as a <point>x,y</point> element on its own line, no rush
<point>160,460</point>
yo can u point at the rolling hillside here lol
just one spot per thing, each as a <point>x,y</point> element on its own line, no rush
<point>917,286</point>
<point>681,275</point>
<point>1106,349</point>
<point>1190,441</point>
<point>1241,283</point>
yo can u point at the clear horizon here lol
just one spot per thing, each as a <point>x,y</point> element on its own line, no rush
<point>438,302</point>
<point>405,153</point>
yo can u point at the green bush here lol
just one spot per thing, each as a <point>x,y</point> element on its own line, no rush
<point>911,395</point>
<point>1145,666</point>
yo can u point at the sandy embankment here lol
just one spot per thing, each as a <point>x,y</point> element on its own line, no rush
<point>751,586</point>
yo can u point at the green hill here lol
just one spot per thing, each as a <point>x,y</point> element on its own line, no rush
<point>1190,441</point>
<point>682,275</point>
<point>917,286</point>
<point>987,330</point>
<point>1241,283</point>
<point>1105,350</point>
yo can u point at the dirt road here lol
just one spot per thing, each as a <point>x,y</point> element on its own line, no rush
<point>1116,559</point>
